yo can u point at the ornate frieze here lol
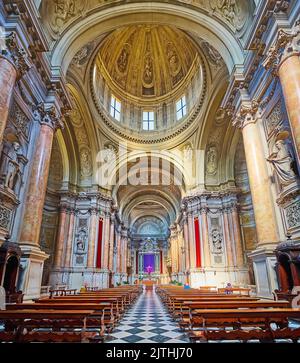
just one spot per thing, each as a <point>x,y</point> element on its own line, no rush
<point>293,215</point>
<point>5,217</point>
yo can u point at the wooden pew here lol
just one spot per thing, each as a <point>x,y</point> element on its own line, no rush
<point>187,319</point>
<point>24,326</point>
<point>234,290</point>
<point>102,313</point>
<point>239,321</point>
<point>115,301</point>
<point>174,302</point>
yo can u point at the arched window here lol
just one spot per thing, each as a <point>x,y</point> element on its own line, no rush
<point>115,108</point>
<point>181,108</point>
<point>148,120</point>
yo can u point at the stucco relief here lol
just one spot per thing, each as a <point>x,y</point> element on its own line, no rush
<point>85,162</point>
<point>5,216</point>
<point>82,56</point>
<point>212,160</point>
<point>212,54</point>
<point>293,215</point>
<point>82,139</point>
<point>62,11</point>
<point>231,11</point>
<point>274,120</point>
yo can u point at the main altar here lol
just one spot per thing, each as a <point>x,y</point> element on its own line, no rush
<point>149,261</point>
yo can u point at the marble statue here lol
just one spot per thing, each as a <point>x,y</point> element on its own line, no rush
<point>282,160</point>
<point>80,243</point>
<point>13,167</point>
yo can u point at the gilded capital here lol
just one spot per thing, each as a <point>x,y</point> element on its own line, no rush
<point>248,114</point>
<point>47,116</point>
<point>15,55</point>
<point>285,45</point>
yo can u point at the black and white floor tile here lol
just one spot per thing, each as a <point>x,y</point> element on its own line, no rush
<point>147,322</point>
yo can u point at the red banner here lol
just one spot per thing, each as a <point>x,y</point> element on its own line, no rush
<point>161,262</point>
<point>197,243</point>
<point>137,262</point>
<point>99,246</point>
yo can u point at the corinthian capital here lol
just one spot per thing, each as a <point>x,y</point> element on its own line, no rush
<point>15,54</point>
<point>47,116</point>
<point>248,114</point>
<point>285,45</point>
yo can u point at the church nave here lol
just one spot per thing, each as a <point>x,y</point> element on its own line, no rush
<point>147,321</point>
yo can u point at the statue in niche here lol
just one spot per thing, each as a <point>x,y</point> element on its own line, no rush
<point>211,164</point>
<point>282,159</point>
<point>217,247</point>
<point>13,167</point>
<point>80,243</point>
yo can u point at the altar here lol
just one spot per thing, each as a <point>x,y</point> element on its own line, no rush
<point>149,284</point>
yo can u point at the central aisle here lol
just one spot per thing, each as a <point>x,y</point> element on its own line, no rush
<point>148,322</point>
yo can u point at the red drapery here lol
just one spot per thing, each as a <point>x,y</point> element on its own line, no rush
<point>99,246</point>
<point>197,243</point>
<point>161,262</point>
<point>137,262</point>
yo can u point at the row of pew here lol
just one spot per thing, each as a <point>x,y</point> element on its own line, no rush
<point>219,316</point>
<point>77,317</point>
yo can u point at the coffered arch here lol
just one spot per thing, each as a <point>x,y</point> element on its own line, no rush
<point>196,22</point>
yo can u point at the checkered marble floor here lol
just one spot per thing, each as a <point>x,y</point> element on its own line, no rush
<point>147,322</point>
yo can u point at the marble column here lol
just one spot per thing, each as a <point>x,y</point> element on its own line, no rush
<point>260,184</point>
<point>179,249</point>
<point>94,221</point>
<point>289,75</point>
<point>205,237</point>
<point>118,246</point>
<point>192,248</point>
<point>106,229</point>
<point>70,238</point>
<point>111,243</point>
<point>283,59</point>
<point>237,237</point>
<point>34,204</point>
<point>186,242</point>
<point>12,66</point>
<point>228,242</point>
<point>60,241</point>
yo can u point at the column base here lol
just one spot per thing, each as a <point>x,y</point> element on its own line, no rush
<point>219,277</point>
<point>31,271</point>
<point>264,261</point>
